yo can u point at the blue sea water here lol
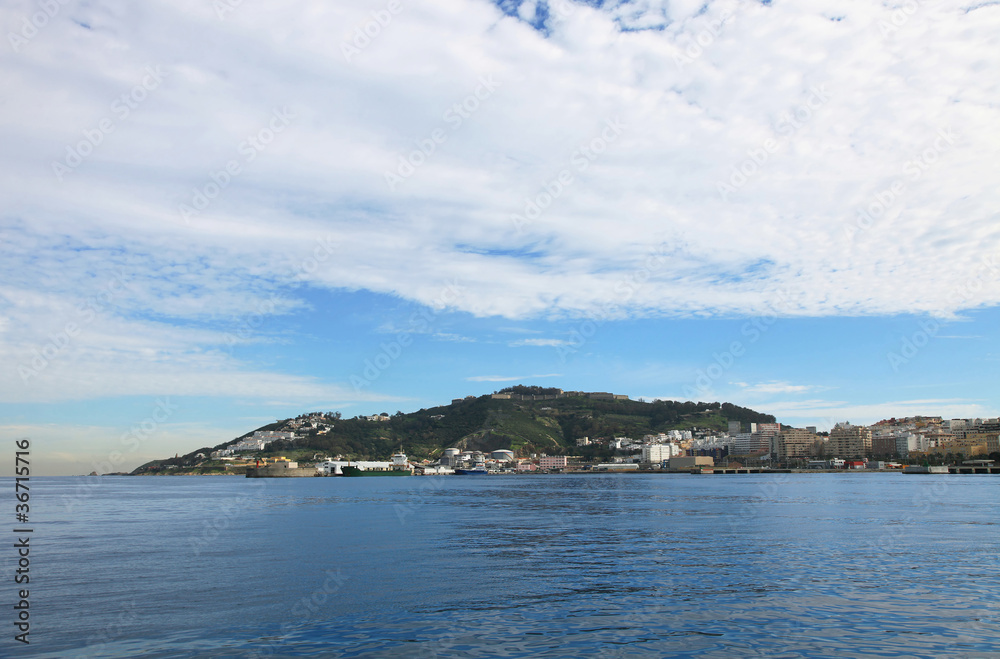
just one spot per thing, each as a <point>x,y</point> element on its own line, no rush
<point>788,565</point>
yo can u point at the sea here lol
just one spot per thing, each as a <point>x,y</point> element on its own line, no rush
<point>561,565</point>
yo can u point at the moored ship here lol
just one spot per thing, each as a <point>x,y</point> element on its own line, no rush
<point>479,469</point>
<point>925,469</point>
<point>399,466</point>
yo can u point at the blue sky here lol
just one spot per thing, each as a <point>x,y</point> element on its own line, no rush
<point>216,216</point>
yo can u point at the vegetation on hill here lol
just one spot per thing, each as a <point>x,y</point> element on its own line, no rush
<point>524,426</point>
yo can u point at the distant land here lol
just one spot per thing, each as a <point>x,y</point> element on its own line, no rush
<point>523,419</point>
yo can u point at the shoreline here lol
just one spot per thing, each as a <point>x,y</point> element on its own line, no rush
<point>713,471</point>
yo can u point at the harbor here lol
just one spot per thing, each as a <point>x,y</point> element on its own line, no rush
<point>452,464</point>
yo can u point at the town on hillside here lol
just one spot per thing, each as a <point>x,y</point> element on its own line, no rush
<point>888,444</point>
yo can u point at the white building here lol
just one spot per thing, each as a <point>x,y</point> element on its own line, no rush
<point>272,435</point>
<point>917,442</point>
<point>669,436</point>
<point>711,442</point>
<point>741,444</point>
<point>656,453</point>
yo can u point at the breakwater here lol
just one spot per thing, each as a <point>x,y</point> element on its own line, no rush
<point>277,471</point>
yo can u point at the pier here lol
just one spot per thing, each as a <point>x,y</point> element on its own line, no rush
<point>744,470</point>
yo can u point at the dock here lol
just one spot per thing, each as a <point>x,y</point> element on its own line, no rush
<point>277,471</point>
<point>744,470</point>
<point>953,469</point>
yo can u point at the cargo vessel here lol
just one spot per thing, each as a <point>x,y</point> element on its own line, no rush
<point>479,469</point>
<point>399,466</point>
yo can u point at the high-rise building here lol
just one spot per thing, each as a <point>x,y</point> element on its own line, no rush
<point>749,443</point>
<point>741,444</point>
<point>655,453</point>
<point>764,437</point>
<point>794,443</point>
<point>884,444</point>
<point>847,441</point>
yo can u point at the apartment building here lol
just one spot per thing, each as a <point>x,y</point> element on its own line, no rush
<point>552,462</point>
<point>794,443</point>
<point>847,441</point>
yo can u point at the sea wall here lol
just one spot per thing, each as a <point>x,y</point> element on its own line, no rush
<point>273,471</point>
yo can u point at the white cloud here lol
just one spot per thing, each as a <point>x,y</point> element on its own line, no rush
<point>93,354</point>
<point>548,343</point>
<point>777,387</point>
<point>454,338</point>
<point>642,228</point>
<point>518,330</point>
<point>509,378</point>
<point>825,413</point>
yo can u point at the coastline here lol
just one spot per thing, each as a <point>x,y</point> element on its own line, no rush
<point>716,471</point>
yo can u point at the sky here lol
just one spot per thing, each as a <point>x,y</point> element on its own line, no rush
<point>219,213</point>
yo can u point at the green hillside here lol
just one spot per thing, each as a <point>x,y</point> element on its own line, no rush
<point>485,423</point>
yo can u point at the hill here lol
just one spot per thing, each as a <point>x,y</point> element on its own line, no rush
<point>523,419</point>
